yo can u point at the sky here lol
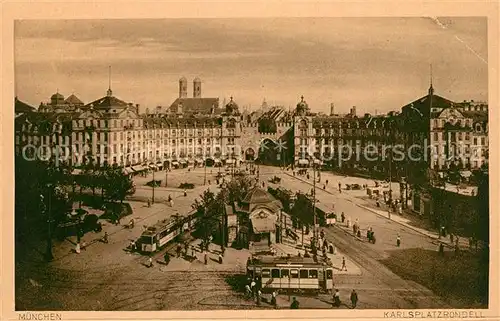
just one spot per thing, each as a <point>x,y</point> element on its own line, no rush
<point>375,64</point>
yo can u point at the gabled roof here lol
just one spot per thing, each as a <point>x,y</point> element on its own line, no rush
<point>107,102</point>
<point>22,107</point>
<point>424,103</point>
<point>258,196</point>
<point>196,105</point>
<point>73,100</point>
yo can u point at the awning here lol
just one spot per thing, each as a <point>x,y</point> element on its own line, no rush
<point>182,161</point>
<point>199,160</point>
<point>153,166</point>
<point>318,161</point>
<point>138,168</point>
<point>216,160</point>
<point>128,170</point>
<point>159,164</point>
<point>76,171</point>
<point>263,225</point>
<point>229,161</point>
<point>303,162</point>
<point>190,161</point>
<point>175,163</point>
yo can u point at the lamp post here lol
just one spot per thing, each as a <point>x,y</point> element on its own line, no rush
<point>314,198</point>
<point>48,254</point>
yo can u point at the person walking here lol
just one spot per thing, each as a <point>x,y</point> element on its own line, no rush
<point>206,258</point>
<point>441,249</point>
<point>248,291</point>
<point>398,240</point>
<point>295,304</point>
<point>259,294</point>
<point>105,238</point>
<point>342,216</point>
<point>343,264</point>
<point>150,262</point>
<point>340,187</point>
<point>273,300</point>
<point>326,182</point>
<point>354,298</point>
<point>336,298</point>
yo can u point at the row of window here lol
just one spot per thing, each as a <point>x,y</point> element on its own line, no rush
<point>295,273</point>
<point>458,137</point>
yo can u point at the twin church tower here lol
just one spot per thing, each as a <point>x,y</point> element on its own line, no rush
<point>183,92</point>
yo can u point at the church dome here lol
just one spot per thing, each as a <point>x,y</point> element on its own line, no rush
<point>57,96</point>
<point>302,106</point>
<point>231,107</point>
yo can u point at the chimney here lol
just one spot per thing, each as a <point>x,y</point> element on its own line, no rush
<point>137,108</point>
<point>332,109</point>
<point>353,111</point>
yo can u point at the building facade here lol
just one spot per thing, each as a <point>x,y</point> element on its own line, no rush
<point>196,130</point>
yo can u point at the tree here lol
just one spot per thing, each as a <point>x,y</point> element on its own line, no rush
<point>207,207</point>
<point>302,211</point>
<point>120,185</point>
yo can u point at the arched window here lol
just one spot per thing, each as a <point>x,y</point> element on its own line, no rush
<point>231,123</point>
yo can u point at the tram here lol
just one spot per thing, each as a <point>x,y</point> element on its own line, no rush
<point>158,235</point>
<point>291,274</point>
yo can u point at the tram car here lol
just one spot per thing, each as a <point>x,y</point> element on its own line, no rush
<point>324,213</point>
<point>291,274</point>
<point>157,236</point>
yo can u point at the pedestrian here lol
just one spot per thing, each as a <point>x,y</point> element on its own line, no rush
<point>150,262</point>
<point>324,186</point>
<point>398,240</point>
<point>206,258</point>
<point>248,291</point>
<point>343,265</point>
<point>340,187</point>
<point>149,203</point>
<point>178,250</point>
<point>342,216</point>
<point>186,246</point>
<point>273,300</point>
<point>105,238</point>
<point>185,193</point>
<point>220,259</point>
<point>441,249</point>
<point>326,182</point>
<point>167,258</point>
<point>295,304</point>
<point>84,245</point>
<point>359,234</point>
<point>336,298</point>
<point>259,294</point>
<point>354,298</point>
<point>368,234</point>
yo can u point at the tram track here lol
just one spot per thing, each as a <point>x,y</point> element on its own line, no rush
<point>372,269</point>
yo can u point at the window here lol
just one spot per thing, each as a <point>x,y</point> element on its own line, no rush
<point>483,141</point>
<point>313,274</point>
<point>460,136</point>
<point>275,273</point>
<point>284,273</point>
<point>436,136</point>
<point>265,272</point>
<point>329,274</point>
<point>294,274</point>
<point>304,274</point>
<point>190,140</point>
<point>475,140</point>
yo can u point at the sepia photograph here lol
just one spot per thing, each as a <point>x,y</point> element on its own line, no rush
<point>199,164</point>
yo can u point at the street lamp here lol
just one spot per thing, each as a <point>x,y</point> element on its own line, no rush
<point>48,254</point>
<point>314,196</point>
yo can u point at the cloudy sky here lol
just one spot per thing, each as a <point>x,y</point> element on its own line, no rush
<point>376,64</point>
